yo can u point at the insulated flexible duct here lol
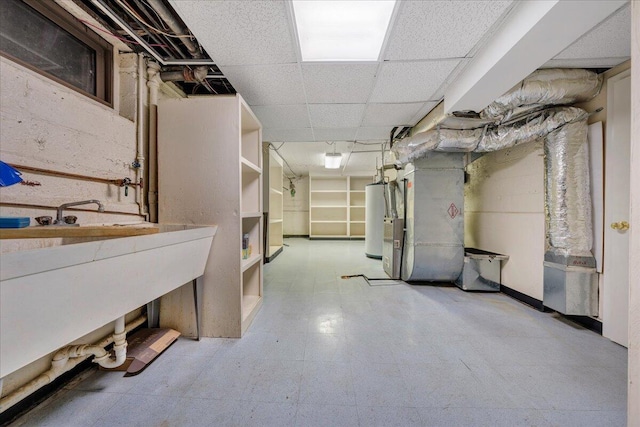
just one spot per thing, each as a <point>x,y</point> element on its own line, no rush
<point>486,139</point>
<point>544,88</point>
<point>567,192</point>
<point>536,127</point>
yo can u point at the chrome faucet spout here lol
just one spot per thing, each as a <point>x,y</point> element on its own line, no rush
<point>61,208</point>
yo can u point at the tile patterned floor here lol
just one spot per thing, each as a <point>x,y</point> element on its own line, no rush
<point>324,351</point>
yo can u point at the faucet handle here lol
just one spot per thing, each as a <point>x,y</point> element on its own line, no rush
<point>126,182</point>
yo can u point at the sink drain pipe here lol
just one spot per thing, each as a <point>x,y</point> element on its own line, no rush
<point>71,356</point>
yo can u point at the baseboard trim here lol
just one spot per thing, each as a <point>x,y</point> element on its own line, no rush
<point>273,255</point>
<point>590,323</point>
<point>533,302</point>
<point>587,322</point>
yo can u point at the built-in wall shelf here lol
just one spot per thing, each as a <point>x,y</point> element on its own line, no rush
<point>211,175</point>
<point>249,166</point>
<point>249,262</point>
<point>275,201</point>
<point>337,206</point>
<point>251,214</point>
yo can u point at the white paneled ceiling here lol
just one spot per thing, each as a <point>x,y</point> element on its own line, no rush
<point>428,44</point>
<point>308,157</point>
<point>607,40</point>
<point>441,29</point>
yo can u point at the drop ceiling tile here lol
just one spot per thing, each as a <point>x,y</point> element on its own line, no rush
<point>441,29</point>
<point>373,133</point>
<point>282,116</point>
<point>438,95</point>
<point>338,83</point>
<point>411,81</point>
<point>336,115</point>
<point>240,32</point>
<point>335,134</point>
<point>287,135</point>
<point>267,84</point>
<point>390,114</point>
<point>612,38</point>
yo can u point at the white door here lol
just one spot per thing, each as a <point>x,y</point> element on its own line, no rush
<point>615,287</point>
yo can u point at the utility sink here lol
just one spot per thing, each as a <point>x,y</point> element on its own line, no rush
<point>101,230</point>
<point>52,296</point>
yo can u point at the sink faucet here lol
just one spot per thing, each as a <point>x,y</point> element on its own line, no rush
<point>59,218</point>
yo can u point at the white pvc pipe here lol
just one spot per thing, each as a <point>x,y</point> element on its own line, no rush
<point>66,359</point>
<point>103,357</point>
<point>140,135</point>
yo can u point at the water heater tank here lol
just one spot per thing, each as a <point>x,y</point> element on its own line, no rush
<point>374,220</point>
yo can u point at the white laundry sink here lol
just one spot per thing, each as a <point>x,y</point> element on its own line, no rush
<point>52,296</point>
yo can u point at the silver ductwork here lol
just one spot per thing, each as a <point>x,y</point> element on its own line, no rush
<point>530,129</point>
<point>434,224</point>
<point>567,190</point>
<point>524,115</point>
<point>538,125</point>
<point>568,201</point>
<point>544,88</point>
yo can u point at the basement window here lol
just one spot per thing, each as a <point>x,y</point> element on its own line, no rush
<point>45,38</point>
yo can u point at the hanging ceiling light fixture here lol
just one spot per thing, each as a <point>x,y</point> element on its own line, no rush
<point>332,160</point>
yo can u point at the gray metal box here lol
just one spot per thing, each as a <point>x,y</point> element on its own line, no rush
<point>392,246</point>
<point>571,290</point>
<point>481,271</point>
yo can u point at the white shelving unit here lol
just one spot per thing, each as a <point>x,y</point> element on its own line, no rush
<point>275,206</point>
<point>336,207</point>
<point>210,163</point>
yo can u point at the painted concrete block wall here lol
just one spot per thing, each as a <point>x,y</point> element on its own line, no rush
<point>504,213</point>
<point>47,125</point>
<point>296,209</point>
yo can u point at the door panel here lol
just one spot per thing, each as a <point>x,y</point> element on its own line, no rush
<point>615,296</point>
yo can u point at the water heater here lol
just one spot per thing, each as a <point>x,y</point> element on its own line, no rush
<point>374,220</point>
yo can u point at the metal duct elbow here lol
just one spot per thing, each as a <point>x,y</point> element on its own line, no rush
<point>450,140</point>
<point>539,126</point>
<point>567,192</point>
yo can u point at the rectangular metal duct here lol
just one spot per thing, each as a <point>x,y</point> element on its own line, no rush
<point>434,242</point>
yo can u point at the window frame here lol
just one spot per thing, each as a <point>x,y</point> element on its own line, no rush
<point>103,50</point>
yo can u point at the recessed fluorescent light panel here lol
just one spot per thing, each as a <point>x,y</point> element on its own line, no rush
<point>342,30</point>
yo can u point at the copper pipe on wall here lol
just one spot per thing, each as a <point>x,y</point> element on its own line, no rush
<point>23,168</point>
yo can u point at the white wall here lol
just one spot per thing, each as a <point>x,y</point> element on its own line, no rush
<point>504,213</point>
<point>633,413</point>
<point>296,209</point>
